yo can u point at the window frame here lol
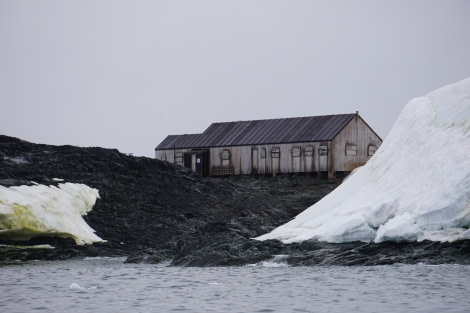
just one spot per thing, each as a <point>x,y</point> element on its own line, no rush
<point>296,152</point>
<point>262,153</point>
<point>308,151</point>
<point>350,149</point>
<point>179,157</point>
<point>275,153</point>
<point>374,147</point>
<point>225,155</point>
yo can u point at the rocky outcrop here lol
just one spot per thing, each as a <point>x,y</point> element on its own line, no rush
<point>151,204</point>
<point>153,211</point>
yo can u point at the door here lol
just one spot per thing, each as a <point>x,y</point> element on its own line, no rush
<point>275,160</point>
<point>308,156</point>
<point>202,163</point>
<point>323,155</point>
<point>187,160</point>
<point>254,161</point>
<point>296,159</point>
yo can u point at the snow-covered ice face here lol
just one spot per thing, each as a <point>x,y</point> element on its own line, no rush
<point>38,210</point>
<point>416,187</point>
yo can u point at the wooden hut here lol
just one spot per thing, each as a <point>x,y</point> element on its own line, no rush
<point>321,145</point>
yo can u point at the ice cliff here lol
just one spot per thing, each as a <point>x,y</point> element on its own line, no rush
<point>416,187</point>
<point>39,210</point>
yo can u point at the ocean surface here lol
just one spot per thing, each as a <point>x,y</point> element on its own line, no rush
<point>109,285</point>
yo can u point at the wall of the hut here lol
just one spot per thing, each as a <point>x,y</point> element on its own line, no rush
<point>353,146</point>
<point>270,159</point>
<point>177,156</point>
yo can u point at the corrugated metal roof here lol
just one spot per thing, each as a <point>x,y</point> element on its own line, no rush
<point>178,141</point>
<point>272,131</point>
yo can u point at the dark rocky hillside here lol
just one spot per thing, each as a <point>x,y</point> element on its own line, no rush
<point>150,204</point>
<point>153,211</point>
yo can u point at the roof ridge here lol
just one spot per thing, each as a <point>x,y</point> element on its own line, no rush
<point>264,131</point>
<point>284,118</point>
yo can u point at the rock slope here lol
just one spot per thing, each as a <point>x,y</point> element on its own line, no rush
<point>153,211</point>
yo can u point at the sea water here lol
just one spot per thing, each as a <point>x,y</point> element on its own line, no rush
<point>109,285</point>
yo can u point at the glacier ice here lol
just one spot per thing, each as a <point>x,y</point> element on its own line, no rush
<point>40,210</point>
<point>416,187</point>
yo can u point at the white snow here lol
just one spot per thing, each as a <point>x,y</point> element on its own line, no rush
<point>416,186</point>
<point>39,210</point>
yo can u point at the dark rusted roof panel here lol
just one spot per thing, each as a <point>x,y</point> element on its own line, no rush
<point>178,141</point>
<point>272,131</point>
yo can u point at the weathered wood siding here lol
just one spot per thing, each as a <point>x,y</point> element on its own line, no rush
<point>165,155</point>
<point>175,156</point>
<point>266,159</point>
<point>350,148</point>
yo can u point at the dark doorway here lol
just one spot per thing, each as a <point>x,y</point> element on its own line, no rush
<point>187,160</point>
<point>202,163</point>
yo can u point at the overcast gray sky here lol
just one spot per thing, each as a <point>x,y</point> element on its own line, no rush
<point>125,74</point>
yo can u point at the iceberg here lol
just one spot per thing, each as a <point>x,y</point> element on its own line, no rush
<point>416,187</point>
<point>40,210</point>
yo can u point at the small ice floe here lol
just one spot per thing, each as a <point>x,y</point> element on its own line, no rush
<point>277,261</point>
<point>57,179</point>
<point>77,287</point>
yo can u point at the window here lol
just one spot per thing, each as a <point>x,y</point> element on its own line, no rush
<point>263,153</point>
<point>323,150</point>
<point>275,152</point>
<point>179,157</point>
<point>308,150</point>
<point>371,150</point>
<point>351,149</point>
<point>163,157</point>
<point>296,152</point>
<point>225,155</point>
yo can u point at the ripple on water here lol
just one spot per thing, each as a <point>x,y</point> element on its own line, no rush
<point>109,285</point>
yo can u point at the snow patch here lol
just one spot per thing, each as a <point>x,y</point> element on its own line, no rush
<point>39,210</point>
<point>416,187</point>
